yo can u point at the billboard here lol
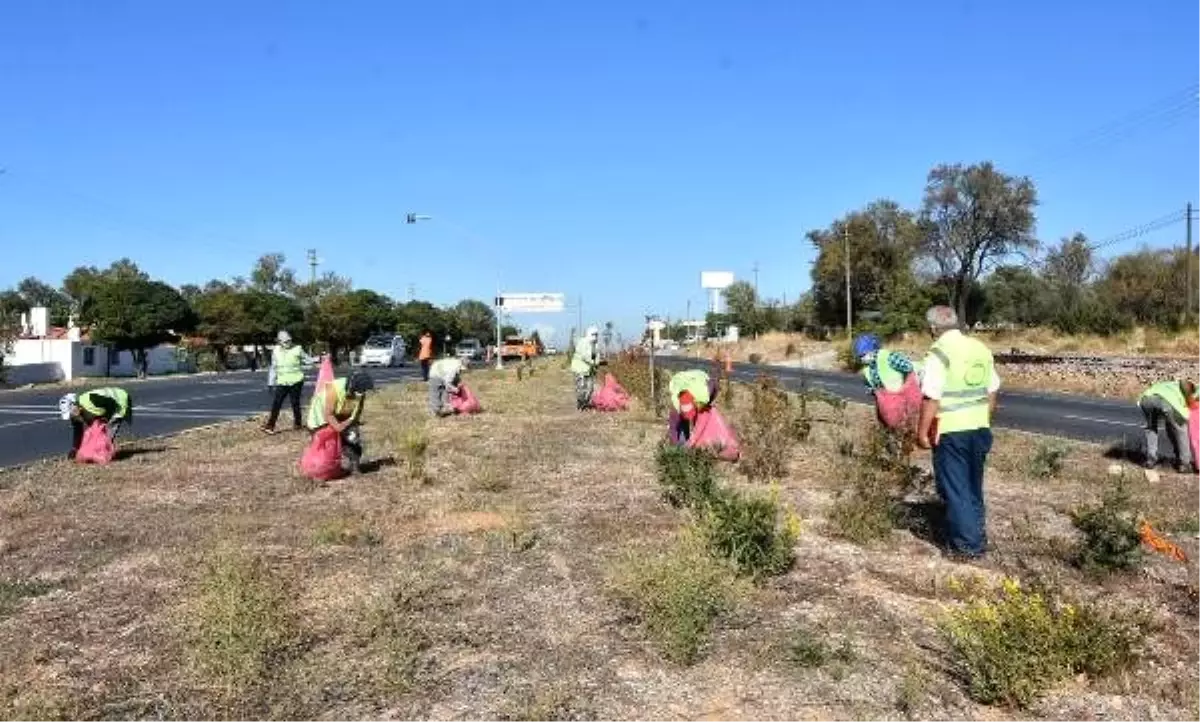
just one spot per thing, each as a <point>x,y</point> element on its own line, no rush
<point>716,279</point>
<point>531,302</point>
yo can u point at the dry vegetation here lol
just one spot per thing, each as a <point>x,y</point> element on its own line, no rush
<point>523,564</point>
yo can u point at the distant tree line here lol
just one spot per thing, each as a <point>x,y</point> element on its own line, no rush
<point>122,307</point>
<point>971,245</point>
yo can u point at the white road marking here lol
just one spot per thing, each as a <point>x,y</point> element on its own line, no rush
<point>1101,421</point>
<point>24,423</point>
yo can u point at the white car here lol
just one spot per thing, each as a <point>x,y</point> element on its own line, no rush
<point>383,351</point>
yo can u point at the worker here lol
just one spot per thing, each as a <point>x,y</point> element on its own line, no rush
<point>286,378</point>
<point>425,353</point>
<point>444,377</point>
<point>585,357</point>
<point>111,405</point>
<point>881,368</point>
<point>692,394</point>
<point>959,393</point>
<point>338,404</point>
<point>1169,402</point>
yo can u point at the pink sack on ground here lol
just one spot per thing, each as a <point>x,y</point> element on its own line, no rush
<point>898,409</point>
<point>610,396</point>
<point>465,402</point>
<point>322,460</point>
<point>96,447</point>
<point>713,432</point>
<point>1194,433</point>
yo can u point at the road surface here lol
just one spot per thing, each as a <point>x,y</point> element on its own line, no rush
<point>1104,421</point>
<point>31,429</point>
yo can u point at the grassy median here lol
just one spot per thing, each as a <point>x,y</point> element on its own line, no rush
<point>524,564</point>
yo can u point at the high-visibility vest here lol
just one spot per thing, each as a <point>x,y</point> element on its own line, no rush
<point>968,368</point>
<point>288,370</point>
<point>694,382</point>
<point>88,401</point>
<point>583,357</point>
<point>1170,392</point>
<point>891,379</point>
<point>316,408</point>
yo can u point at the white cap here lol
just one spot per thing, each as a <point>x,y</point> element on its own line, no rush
<point>283,337</point>
<point>65,404</point>
<point>593,331</point>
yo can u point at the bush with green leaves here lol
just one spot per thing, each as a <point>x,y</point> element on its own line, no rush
<point>1111,539</point>
<point>768,432</point>
<point>687,476</point>
<point>632,370</point>
<point>752,531</point>
<point>1048,459</point>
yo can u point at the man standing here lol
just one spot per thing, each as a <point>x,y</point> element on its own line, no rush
<point>584,359</point>
<point>1167,403</point>
<point>286,376</point>
<point>425,354</point>
<point>959,390</point>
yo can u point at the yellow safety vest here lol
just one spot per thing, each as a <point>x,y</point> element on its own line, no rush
<point>316,408</point>
<point>1170,392</point>
<point>288,370</point>
<point>121,396</point>
<point>695,382</point>
<point>968,367</point>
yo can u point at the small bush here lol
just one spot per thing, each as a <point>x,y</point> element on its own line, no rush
<point>632,370</point>
<point>344,531</point>
<point>755,358</point>
<point>865,512</point>
<point>687,476</point>
<point>807,648</point>
<point>1048,459</point>
<point>790,351</point>
<point>1012,644</point>
<point>1111,541</point>
<point>12,591</point>
<point>768,431</point>
<point>414,449</point>
<point>845,357</point>
<point>393,631</point>
<point>677,595</point>
<point>751,531</point>
<point>241,628</point>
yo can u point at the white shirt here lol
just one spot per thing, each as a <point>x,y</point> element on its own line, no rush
<point>935,376</point>
<point>446,369</point>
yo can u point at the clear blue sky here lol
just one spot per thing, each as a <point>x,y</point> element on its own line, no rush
<point>609,149</point>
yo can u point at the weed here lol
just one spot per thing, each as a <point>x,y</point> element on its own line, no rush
<point>632,370</point>
<point>415,448</point>
<point>865,512</point>
<point>12,591</point>
<point>543,704</point>
<point>1110,540</point>
<point>677,595</point>
<point>1182,525</point>
<point>686,475</point>
<point>912,691</point>
<point>1048,459</point>
<point>845,447</point>
<point>751,532</point>
<point>344,531</point>
<point>394,632</point>
<point>1012,644</point>
<point>755,358</point>
<point>241,625</point>
<point>768,432</point>
<point>790,351</point>
<point>491,477</point>
<point>806,648</point>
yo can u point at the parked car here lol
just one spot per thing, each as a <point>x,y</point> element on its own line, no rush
<point>383,350</point>
<point>469,349</point>
<point>551,350</point>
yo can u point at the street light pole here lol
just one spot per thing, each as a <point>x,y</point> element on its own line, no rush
<point>846,253</point>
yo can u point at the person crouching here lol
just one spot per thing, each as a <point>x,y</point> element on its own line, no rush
<point>444,377</point>
<point>339,405</point>
<point>692,394</point>
<point>113,406</point>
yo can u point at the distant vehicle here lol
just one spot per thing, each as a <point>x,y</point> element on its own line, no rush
<point>469,349</point>
<point>517,347</point>
<point>383,350</point>
<point>551,350</point>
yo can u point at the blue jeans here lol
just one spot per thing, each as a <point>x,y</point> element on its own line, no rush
<point>958,463</point>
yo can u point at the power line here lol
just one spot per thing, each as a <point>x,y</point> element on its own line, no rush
<point>1142,229</point>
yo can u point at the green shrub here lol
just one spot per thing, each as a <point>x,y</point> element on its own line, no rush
<point>755,358</point>
<point>751,532</point>
<point>1048,459</point>
<point>414,446</point>
<point>1012,644</point>
<point>1110,540</point>
<point>346,531</point>
<point>807,648</point>
<point>768,432</point>
<point>677,595</point>
<point>687,476</point>
<point>632,370</point>
<point>790,351</point>
<point>12,591</point>
<point>864,513</point>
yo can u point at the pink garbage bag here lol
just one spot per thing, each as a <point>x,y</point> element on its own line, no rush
<point>713,432</point>
<point>1194,433</point>
<point>96,447</point>
<point>322,460</point>
<point>900,409</point>
<point>465,402</point>
<point>610,396</point>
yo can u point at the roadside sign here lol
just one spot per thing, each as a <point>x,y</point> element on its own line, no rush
<point>656,325</point>
<point>531,302</point>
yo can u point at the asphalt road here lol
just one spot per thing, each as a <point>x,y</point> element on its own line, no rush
<point>31,429</point>
<point>1105,421</point>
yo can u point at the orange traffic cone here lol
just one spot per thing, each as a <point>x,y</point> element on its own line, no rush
<point>728,363</point>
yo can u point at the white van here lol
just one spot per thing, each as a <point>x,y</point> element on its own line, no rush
<point>384,350</point>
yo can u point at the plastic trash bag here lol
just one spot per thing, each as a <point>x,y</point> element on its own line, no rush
<point>96,447</point>
<point>322,460</point>
<point>1194,433</point>
<point>900,409</point>
<point>610,396</point>
<point>465,402</point>
<point>713,432</point>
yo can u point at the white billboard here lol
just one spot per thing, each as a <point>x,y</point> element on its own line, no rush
<point>531,302</point>
<point>716,279</point>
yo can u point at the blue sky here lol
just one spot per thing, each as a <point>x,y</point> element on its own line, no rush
<point>606,149</point>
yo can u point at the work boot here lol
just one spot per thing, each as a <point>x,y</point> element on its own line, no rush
<point>268,430</point>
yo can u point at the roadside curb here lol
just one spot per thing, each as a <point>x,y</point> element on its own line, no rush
<point>123,380</point>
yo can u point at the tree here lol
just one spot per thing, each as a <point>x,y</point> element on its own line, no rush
<point>133,314</point>
<point>1015,295</point>
<point>379,311</point>
<point>1148,286</point>
<point>1068,267</point>
<point>508,330</point>
<point>270,275</point>
<point>80,283</point>
<point>222,319</point>
<point>36,293</point>
<point>475,319</point>
<point>414,317</point>
<point>974,217</point>
<point>742,300</point>
<point>270,313</point>
<point>340,320</point>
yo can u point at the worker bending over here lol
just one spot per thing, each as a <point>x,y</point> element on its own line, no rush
<point>585,357</point>
<point>959,389</point>
<point>444,377</point>
<point>1167,402</point>
<point>111,405</point>
<point>882,369</point>
<point>338,404</point>
<point>692,394</point>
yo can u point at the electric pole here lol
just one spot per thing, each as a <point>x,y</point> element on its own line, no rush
<point>846,253</point>
<point>313,261</point>
<point>1190,281</point>
<point>412,293</point>
<point>756,281</point>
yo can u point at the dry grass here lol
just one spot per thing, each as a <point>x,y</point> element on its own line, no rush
<point>213,581</point>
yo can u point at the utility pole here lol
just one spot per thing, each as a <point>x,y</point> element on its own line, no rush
<point>412,292</point>
<point>849,309</point>
<point>313,261</point>
<point>756,281</point>
<point>580,316</point>
<point>1191,282</point>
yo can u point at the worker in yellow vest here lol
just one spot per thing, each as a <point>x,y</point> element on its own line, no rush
<point>286,378</point>
<point>692,394</point>
<point>339,405</point>
<point>959,389</point>
<point>112,405</point>
<point>1167,403</point>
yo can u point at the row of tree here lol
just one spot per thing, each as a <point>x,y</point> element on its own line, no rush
<point>121,306</point>
<point>971,245</point>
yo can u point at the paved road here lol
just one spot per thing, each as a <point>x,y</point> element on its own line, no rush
<point>30,428</point>
<point>1075,417</point>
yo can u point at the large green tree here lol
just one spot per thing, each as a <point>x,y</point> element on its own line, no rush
<point>974,218</point>
<point>131,314</point>
<point>1016,295</point>
<point>475,319</point>
<point>38,293</point>
<point>741,301</point>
